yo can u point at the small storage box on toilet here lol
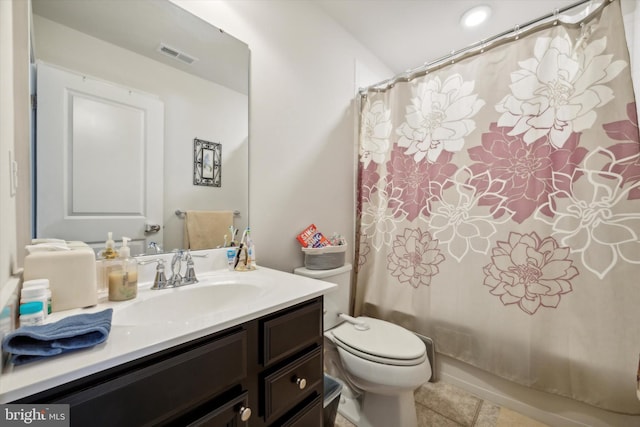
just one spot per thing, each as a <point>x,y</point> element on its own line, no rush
<point>71,273</point>
<point>325,258</point>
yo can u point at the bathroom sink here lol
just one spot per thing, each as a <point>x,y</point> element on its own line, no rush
<point>186,304</point>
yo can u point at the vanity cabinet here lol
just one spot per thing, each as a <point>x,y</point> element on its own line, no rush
<point>292,376</point>
<point>265,372</point>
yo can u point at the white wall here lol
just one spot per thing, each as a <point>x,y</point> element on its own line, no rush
<point>302,113</point>
<point>14,125</point>
<point>7,213</point>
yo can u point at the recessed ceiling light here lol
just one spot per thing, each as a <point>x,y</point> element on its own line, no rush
<point>475,16</point>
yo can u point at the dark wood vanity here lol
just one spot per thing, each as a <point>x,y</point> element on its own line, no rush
<point>265,372</point>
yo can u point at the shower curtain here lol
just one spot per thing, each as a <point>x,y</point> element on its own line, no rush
<point>499,209</point>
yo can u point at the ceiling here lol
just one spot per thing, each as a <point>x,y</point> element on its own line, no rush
<point>405,34</point>
<point>141,26</point>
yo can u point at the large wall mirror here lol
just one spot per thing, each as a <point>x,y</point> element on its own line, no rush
<point>124,88</point>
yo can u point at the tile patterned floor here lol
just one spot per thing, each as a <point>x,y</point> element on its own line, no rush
<point>443,405</point>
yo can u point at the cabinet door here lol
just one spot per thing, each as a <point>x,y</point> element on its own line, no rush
<point>234,413</point>
<point>158,393</point>
<point>309,416</point>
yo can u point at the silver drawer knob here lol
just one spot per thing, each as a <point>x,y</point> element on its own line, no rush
<point>301,383</point>
<point>245,413</point>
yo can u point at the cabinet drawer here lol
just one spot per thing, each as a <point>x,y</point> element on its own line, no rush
<point>287,386</point>
<point>233,413</point>
<point>309,416</point>
<point>290,332</point>
<point>157,393</point>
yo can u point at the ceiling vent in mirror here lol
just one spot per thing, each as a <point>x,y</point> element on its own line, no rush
<point>176,54</point>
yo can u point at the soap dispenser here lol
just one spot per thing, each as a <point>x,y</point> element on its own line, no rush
<point>106,262</point>
<point>123,278</point>
<point>109,251</point>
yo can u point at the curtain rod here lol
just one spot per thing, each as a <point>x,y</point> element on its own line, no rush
<point>423,69</point>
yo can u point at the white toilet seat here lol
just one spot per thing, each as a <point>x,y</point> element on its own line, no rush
<point>383,342</point>
<point>377,359</point>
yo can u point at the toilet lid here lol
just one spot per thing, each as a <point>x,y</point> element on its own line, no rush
<point>382,340</point>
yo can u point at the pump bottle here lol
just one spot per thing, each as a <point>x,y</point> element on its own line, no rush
<point>106,261</point>
<point>109,251</point>
<point>123,278</point>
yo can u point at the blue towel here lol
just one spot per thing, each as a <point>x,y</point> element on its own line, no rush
<point>30,343</point>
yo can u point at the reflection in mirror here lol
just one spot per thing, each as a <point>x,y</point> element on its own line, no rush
<point>207,163</point>
<point>124,89</point>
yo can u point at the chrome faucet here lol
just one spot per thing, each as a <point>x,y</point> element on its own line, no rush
<point>176,279</point>
<point>160,281</point>
<point>176,267</point>
<point>156,247</point>
<point>189,277</point>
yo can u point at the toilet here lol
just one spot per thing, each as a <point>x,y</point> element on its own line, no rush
<point>380,363</point>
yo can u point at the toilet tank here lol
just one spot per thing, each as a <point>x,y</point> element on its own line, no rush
<point>338,300</point>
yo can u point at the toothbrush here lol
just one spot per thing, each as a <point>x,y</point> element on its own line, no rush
<point>238,256</point>
<point>244,235</point>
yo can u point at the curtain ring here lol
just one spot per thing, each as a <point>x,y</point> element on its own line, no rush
<point>516,30</point>
<point>556,12</point>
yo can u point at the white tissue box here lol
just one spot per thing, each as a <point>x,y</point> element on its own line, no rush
<point>71,274</point>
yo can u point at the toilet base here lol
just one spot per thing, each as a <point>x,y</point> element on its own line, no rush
<point>376,410</point>
<point>349,408</point>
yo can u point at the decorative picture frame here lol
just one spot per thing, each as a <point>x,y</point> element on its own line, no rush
<point>207,163</point>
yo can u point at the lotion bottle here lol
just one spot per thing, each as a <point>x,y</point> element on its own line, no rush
<point>123,278</point>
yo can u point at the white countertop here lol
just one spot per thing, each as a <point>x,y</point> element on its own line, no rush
<point>127,343</point>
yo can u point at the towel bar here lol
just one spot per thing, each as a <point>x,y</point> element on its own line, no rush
<point>181,214</point>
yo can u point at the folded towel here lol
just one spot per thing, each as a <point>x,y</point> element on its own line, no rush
<point>31,343</point>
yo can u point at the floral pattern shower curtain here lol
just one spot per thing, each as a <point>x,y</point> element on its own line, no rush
<point>499,210</point>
